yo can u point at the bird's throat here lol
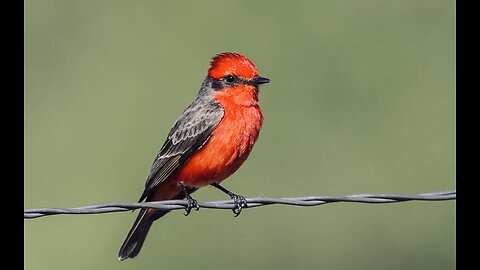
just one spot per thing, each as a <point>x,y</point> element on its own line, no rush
<point>241,95</point>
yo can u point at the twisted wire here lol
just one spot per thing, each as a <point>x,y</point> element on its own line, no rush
<point>30,213</point>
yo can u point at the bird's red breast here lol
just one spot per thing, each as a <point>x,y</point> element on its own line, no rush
<point>230,143</point>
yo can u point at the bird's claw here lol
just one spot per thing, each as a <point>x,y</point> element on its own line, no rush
<point>191,204</point>
<point>240,203</point>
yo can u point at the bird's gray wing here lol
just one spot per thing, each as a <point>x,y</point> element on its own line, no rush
<point>189,133</point>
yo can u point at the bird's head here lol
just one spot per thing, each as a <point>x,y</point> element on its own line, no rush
<point>230,69</point>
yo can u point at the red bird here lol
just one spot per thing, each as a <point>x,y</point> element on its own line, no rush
<point>207,143</point>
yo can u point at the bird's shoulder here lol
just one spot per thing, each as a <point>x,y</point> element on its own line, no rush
<point>194,126</point>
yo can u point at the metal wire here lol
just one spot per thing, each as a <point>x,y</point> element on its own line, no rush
<point>252,202</point>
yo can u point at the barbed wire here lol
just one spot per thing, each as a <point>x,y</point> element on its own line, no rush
<point>251,202</point>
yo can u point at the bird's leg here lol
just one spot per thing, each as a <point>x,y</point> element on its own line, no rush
<point>239,201</point>
<point>191,202</point>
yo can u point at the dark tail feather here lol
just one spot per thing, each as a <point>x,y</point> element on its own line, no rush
<point>137,234</point>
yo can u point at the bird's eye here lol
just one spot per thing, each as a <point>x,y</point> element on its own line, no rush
<point>230,78</point>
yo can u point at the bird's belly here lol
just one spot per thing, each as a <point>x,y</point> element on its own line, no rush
<point>225,151</point>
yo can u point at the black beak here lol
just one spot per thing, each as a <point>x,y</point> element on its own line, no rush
<point>260,80</point>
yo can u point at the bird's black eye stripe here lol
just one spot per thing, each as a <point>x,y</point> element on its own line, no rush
<point>226,81</point>
<point>230,78</point>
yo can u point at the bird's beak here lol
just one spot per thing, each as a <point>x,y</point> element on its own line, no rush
<point>260,80</point>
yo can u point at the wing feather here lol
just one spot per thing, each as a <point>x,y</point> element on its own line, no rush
<point>189,133</point>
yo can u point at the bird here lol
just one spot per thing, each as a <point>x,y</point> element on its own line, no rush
<point>210,140</point>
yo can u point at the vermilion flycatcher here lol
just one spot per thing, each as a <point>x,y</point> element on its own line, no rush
<point>207,143</point>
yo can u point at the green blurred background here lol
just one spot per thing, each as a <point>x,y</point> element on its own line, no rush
<point>362,100</point>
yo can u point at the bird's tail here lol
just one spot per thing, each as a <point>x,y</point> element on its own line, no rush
<point>137,234</point>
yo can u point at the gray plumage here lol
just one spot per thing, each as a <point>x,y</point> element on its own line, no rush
<point>189,133</point>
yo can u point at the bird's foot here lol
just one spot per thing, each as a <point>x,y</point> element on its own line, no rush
<point>191,204</point>
<point>240,203</point>
<point>238,200</point>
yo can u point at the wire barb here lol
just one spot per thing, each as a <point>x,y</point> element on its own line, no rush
<point>30,213</point>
